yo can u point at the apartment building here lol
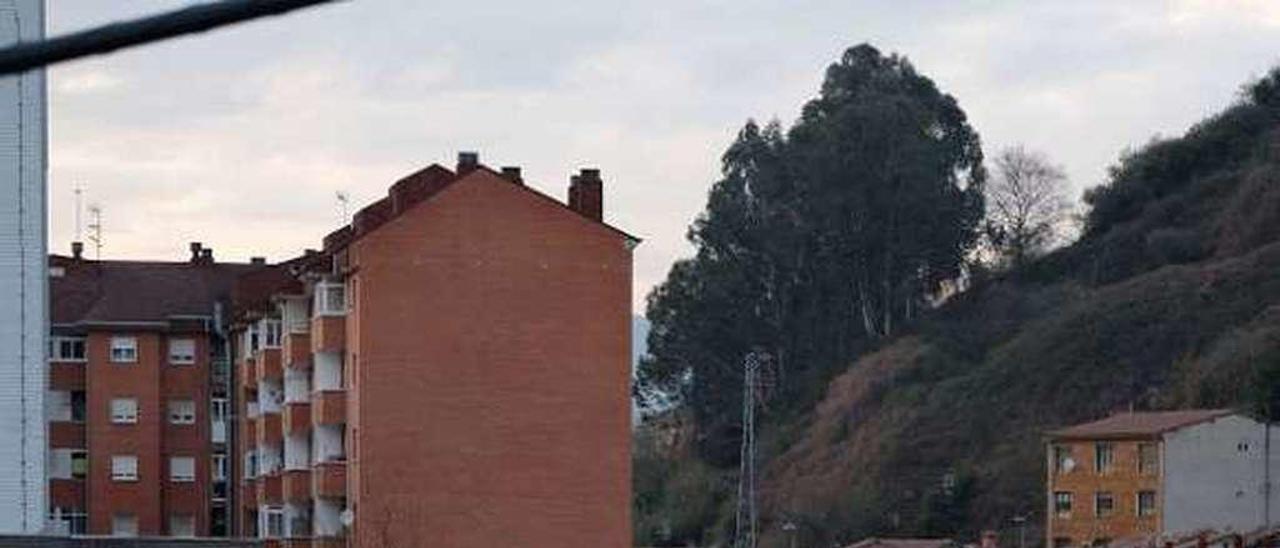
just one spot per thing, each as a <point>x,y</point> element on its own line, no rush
<point>1156,475</point>
<point>137,402</point>
<point>450,369</point>
<point>23,318</point>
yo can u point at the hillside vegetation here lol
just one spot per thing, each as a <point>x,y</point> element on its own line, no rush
<point>1170,298</point>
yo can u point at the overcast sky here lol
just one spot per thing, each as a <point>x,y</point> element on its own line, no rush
<point>240,138</point>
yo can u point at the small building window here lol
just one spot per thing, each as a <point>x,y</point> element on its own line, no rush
<point>67,349</point>
<point>78,404</point>
<point>79,464</point>
<point>182,525</point>
<point>182,351</point>
<point>182,469</point>
<point>124,468</point>
<point>124,410</point>
<point>124,349</point>
<point>182,412</point>
<point>329,299</point>
<point>1146,503</point>
<point>1103,504</point>
<point>1103,456</point>
<point>273,522</point>
<point>1148,458</point>
<point>270,330</point>
<point>218,409</point>
<point>1062,504</point>
<point>58,406</point>
<point>124,525</point>
<point>219,467</point>
<point>68,520</point>
<point>1062,461</point>
<point>67,463</point>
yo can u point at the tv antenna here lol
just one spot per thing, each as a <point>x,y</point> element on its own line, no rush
<point>343,203</point>
<point>95,230</point>
<point>79,228</point>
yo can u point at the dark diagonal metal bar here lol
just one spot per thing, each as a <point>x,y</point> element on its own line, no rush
<point>25,56</point>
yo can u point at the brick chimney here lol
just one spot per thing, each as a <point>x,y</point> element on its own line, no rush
<point>206,256</point>
<point>512,173</point>
<point>586,194</point>
<point>257,260</point>
<point>195,251</point>
<point>467,162</point>
<point>77,250</point>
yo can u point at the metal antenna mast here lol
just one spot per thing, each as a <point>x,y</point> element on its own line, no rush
<point>95,230</point>
<point>754,385</point>
<point>79,228</point>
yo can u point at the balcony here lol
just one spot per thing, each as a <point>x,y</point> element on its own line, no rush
<point>66,376</point>
<point>297,542</point>
<point>250,430</point>
<point>297,486</point>
<point>66,435</point>
<point>248,373</point>
<point>297,351</point>
<point>329,407</point>
<point>297,417</point>
<point>269,367</point>
<point>329,542</point>
<point>328,333</point>
<point>271,489</point>
<point>329,480</point>
<point>270,431</point>
<point>249,493</point>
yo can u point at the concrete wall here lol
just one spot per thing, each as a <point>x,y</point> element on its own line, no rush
<point>23,281</point>
<point>1214,476</point>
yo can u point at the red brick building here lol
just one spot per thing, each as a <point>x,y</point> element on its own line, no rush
<point>138,381</point>
<point>451,369</point>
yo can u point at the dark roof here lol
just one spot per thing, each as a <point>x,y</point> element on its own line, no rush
<point>89,292</point>
<point>901,543</point>
<point>413,189</point>
<point>1145,424</point>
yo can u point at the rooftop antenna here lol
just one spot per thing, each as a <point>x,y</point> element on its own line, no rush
<point>79,229</point>
<point>343,202</point>
<point>95,230</point>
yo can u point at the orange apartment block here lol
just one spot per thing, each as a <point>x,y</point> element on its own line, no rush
<point>138,386</point>
<point>450,369</point>
<point>1144,476</point>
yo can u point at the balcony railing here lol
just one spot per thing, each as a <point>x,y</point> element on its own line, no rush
<point>268,363</point>
<point>297,418</point>
<point>297,486</point>
<point>271,489</point>
<point>329,407</point>
<point>297,350</point>
<point>270,429</point>
<point>248,373</point>
<point>329,480</point>
<point>328,333</point>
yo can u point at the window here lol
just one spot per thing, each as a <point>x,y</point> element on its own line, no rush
<point>251,464</point>
<point>182,412</point>
<point>67,349</point>
<point>270,333</point>
<point>58,406</point>
<point>182,525</point>
<point>124,525</point>
<point>69,521</point>
<point>124,349</point>
<point>78,404</point>
<point>1146,503</point>
<point>182,351</point>
<point>1103,504</point>
<point>274,522</point>
<point>1242,447</point>
<point>1062,461</point>
<point>1062,504</point>
<point>1103,452</point>
<point>1148,458</point>
<point>124,468</point>
<point>68,463</point>
<point>219,467</point>
<point>79,464</point>
<point>124,410</point>
<point>182,469</point>
<point>218,409</point>
<point>329,299</point>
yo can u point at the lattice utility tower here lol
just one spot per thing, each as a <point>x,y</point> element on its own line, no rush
<point>757,383</point>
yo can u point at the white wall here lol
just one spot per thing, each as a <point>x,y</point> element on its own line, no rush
<point>23,281</point>
<point>1214,476</point>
